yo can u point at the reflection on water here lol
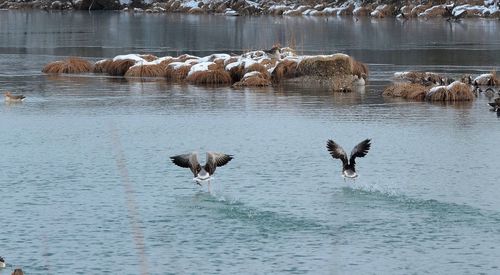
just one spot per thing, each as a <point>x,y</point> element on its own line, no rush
<point>426,198</point>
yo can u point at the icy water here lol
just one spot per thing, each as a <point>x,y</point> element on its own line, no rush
<point>87,186</point>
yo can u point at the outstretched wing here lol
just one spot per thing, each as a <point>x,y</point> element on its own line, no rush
<point>360,150</point>
<point>187,161</point>
<point>215,160</point>
<point>336,151</point>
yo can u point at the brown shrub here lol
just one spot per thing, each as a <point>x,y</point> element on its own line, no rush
<point>102,66</point>
<point>461,91</point>
<point>406,90</point>
<point>256,67</point>
<point>120,67</point>
<point>286,68</point>
<point>177,71</point>
<point>236,72</point>
<point>166,61</point>
<point>255,79</point>
<point>326,66</point>
<point>210,77</point>
<point>456,91</point>
<point>150,70</point>
<point>72,65</point>
<point>425,78</point>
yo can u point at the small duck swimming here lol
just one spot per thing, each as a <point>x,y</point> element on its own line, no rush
<point>13,98</point>
<point>202,173</point>
<point>348,166</point>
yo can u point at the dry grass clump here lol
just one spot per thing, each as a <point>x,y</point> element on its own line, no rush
<point>253,79</point>
<point>120,67</point>
<point>256,67</point>
<point>236,71</point>
<point>360,69</point>
<point>326,66</point>
<point>210,77</point>
<point>149,70</point>
<point>424,78</point>
<point>406,90</point>
<point>456,91</point>
<point>72,65</point>
<point>287,68</point>
<point>177,71</point>
<point>102,66</point>
<point>166,61</point>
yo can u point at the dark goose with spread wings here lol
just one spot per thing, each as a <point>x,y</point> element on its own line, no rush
<point>201,173</point>
<point>348,165</point>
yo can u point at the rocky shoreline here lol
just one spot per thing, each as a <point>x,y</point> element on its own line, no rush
<point>455,10</point>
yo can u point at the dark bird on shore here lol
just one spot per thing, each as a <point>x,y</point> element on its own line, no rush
<point>348,165</point>
<point>13,98</point>
<point>202,173</point>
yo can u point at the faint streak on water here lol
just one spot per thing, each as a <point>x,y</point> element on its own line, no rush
<point>133,214</point>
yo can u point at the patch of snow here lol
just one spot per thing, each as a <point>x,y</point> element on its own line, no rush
<point>143,63</point>
<point>436,89</point>
<point>248,62</point>
<point>101,61</point>
<point>483,79</point>
<point>134,57</point>
<point>177,65</point>
<point>215,56</point>
<point>278,7</point>
<point>200,67</point>
<point>250,74</point>
<point>231,12</point>
<point>232,65</point>
<point>252,3</point>
<point>190,4</point>
<point>471,9</point>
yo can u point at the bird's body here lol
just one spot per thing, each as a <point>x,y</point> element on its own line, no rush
<point>348,165</point>
<point>202,173</point>
<point>13,98</point>
<point>2,262</point>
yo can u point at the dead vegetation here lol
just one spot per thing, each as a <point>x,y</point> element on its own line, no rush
<point>253,79</point>
<point>210,77</point>
<point>72,65</point>
<point>148,70</point>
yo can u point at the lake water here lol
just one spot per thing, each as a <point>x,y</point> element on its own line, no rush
<point>87,186</point>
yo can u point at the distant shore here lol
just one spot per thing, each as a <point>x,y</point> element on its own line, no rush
<point>456,10</point>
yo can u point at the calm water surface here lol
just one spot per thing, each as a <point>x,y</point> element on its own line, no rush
<point>87,186</point>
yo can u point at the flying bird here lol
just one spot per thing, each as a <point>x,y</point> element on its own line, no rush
<point>202,173</point>
<point>348,165</point>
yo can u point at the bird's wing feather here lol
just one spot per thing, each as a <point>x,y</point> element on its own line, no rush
<point>336,151</point>
<point>187,161</point>
<point>360,150</point>
<point>215,160</point>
